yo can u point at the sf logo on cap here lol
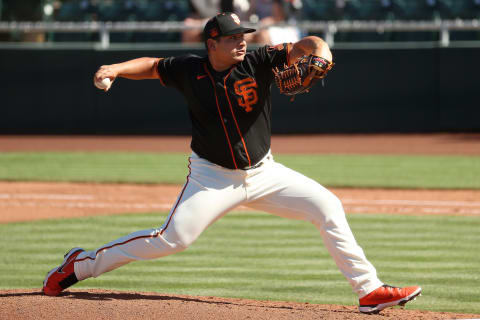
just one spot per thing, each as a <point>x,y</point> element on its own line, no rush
<point>235,18</point>
<point>214,32</point>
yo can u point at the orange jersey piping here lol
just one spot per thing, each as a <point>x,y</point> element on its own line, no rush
<point>221,116</point>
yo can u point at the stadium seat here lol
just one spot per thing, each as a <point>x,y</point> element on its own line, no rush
<point>366,10</point>
<point>118,10</point>
<point>164,10</point>
<point>161,10</point>
<point>321,10</point>
<point>461,9</point>
<point>72,10</point>
<point>314,10</point>
<point>415,10</point>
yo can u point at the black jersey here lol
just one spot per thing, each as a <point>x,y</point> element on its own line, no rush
<point>230,111</point>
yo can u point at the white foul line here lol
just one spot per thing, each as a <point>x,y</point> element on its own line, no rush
<point>354,205</point>
<point>40,196</point>
<point>423,203</point>
<point>439,203</point>
<point>96,205</point>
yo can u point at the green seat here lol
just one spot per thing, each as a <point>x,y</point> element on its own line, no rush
<point>161,10</point>
<point>115,11</point>
<point>415,9</point>
<point>321,10</point>
<point>460,9</point>
<point>72,10</point>
<point>366,10</point>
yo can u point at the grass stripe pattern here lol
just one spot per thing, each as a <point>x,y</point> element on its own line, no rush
<point>259,256</point>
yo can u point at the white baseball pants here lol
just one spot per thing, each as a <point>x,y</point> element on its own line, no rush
<point>211,191</point>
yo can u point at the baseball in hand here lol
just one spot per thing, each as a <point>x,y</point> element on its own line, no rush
<point>104,84</point>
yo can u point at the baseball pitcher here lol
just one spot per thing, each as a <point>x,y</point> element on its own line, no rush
<point>228,97</point>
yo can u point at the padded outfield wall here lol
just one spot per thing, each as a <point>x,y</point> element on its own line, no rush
<point>50,91</point>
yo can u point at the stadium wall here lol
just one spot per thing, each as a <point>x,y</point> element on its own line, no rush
<point>50,91</point>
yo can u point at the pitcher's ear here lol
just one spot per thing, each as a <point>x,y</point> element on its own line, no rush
<point>211,44</point>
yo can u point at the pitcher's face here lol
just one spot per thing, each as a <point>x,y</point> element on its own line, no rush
<point>229,49</point>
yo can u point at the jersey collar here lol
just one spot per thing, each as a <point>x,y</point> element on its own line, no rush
<point>220,74</point>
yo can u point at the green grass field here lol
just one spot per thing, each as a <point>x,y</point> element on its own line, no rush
<point>255,255</point>
<point>259,256</point>
<point>438,172</point>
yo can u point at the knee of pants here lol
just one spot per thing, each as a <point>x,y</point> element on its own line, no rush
<point>178,241</point>
<point>328,209</point>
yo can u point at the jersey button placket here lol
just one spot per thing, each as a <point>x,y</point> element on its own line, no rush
<point>234,119</point>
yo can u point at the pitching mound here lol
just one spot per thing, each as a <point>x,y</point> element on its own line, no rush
<point>101,304</point>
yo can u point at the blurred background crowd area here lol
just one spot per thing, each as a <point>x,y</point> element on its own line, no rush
<point>267,14</point>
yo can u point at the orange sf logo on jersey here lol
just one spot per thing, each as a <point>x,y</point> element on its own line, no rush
<point>245,88</point>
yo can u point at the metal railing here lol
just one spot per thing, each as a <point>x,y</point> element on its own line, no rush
<point>327,28</point>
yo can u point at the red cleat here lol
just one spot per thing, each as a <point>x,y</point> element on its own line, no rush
<point>387,296</point>
<point>62,277</point>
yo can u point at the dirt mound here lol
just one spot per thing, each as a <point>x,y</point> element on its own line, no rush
<point>101,304</point>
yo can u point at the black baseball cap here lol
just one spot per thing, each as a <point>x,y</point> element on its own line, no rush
<point>224,24</point>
